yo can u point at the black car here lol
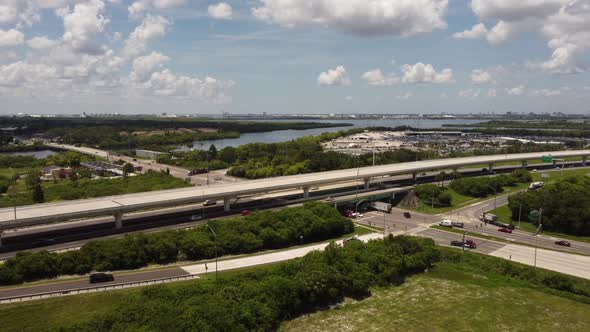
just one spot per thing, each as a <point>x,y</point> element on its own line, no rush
<point>407,215</point>
<point>456,243</point>
<point>101,277</point>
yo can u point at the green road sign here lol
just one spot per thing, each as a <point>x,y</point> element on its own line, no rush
<point>547,159</point>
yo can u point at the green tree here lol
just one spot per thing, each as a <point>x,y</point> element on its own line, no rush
<point>128,169</point>
<point>32,179</point>
<point>38,194</point>
<point>212,152</point>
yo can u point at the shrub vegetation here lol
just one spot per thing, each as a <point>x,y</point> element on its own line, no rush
<point>261,230</point>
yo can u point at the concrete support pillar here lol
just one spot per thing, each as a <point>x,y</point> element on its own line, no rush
<point>367,183</point>
<point>226,204</point>
<point>118,220</point>
<point>305,192</point>
<point>491,167</point>
<point>554,162</point>
<point>1,234</point>
<point>523,163</point>
<point>585,160</point>
<point>414,176</point>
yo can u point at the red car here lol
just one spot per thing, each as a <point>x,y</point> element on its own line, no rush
<point>350,214</point>
<point>563,243</point>
<point>245,212</point>
<point>505,230</point>
<point>470,244</point>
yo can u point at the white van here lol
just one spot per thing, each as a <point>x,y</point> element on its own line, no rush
<point>536,185</point>
<point>446,223</point>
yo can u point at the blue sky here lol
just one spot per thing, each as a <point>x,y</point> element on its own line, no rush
<point>297,56</point>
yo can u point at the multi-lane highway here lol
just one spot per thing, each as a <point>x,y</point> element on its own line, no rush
<point>471,217</point>
<point>395,223</point>
<point>118,205</point>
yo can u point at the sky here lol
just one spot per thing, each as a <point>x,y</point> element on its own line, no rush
<point>294,56</point>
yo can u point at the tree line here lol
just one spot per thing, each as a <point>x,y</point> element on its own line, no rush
<point>565,206</point>
<point>299,156</point>
<point>489,185</point>
<point>260,300</point>
<point>106,133</point>
<point>310,223</point>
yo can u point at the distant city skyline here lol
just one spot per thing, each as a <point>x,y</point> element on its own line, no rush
<point>347,56</point>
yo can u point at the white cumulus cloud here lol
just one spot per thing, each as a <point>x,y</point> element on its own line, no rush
<point>517,90</point>
<point>377,78</point>
<point>334,77</point>
<point>220,11</point>
<point>11,38</point>
<point>140,7</point>
<point>479,76</point>
<point>359,17</point>
<point>41,43</point>
<point>478,31</point>
<point>425,73</point>
<point>151,28</point>
<point>82,25</point>
<point>144,66</point>
<point>564,23</point>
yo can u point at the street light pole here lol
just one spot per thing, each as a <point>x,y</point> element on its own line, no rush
<point>215,244</point>
<point>384,224</point>
<point>539,229</point>
<point>203,204</point>
<point>519,213</point>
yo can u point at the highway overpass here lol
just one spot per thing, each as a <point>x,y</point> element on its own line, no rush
<point>117,206</point>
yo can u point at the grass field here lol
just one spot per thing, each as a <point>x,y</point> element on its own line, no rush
<point>448,299</point>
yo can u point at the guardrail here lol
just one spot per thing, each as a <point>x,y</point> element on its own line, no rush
<point>75,291</point>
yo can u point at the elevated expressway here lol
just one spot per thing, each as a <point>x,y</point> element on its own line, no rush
<point>117,206</point>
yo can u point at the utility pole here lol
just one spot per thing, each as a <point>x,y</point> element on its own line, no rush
<point>519,213</point>
<point>203,204</point>
<point>384,224</point>
<point>539,229</point>
<point>215,243</point>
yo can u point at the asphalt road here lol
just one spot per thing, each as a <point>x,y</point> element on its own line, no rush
<point>562,262</point>
<point>396,221</point>
<point>470,216</point>
<point>120,278</point>
<point>444,238</point>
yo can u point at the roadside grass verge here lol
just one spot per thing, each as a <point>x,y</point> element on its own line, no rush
<point>452,297</point>
<point>505,216</point>
<point>51,314</point>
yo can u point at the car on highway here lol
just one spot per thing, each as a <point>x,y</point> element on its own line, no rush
<point>209,202</point>
<point>407,215</point>
<point>351,239</point>
<point>470,244</point>
<point>329,199</point>
<point>349,214</point>
<point>563,243</point>
<point>467,244</point>
<point>100,277</point>
<point>505,230</point>
<point>196,217</point>
<point>458,224</point>
<point>446,223</point>
<point>245,212</point>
